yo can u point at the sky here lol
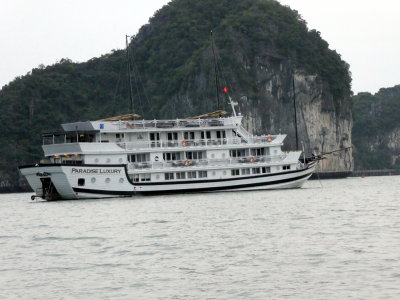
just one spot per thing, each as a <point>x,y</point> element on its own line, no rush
<point>34,32</point>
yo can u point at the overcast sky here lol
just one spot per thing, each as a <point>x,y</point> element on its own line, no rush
<point>33,32</point>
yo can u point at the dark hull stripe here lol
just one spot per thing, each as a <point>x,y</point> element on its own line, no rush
<point>213,180</point>
<point>173,182</point>
<point>207,189</point>
<point>74,166</point>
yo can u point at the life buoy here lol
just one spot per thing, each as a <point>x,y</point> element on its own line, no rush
<point>251,159</point>
<point>187,163</point>
<point>185,143</point>
<point>269,139</point>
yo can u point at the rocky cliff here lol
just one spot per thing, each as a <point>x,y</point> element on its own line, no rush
<point>376,129</point>
<point>261,46</point>
<point>321,128</point>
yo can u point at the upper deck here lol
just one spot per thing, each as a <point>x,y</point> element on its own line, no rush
<point>97,137</point>
<point>153,125</point>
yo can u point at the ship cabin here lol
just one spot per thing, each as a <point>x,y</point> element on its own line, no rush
<point>169,149</point>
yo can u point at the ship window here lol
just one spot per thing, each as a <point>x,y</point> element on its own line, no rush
<point>195,155</point>
<point>181,175</point>
<point>257,152</point>
<point>266,169</point>
<point>221,134</point>
<point>81,181</point>
<point>140,157</point>
<point>171,156</point>
<point>237,153</point>
<point>172,136</point>
<point>287,167</point>
<point>191,175</point>
<point>256,170</point>
<point>134,177</point>
<point>235,172</point>
<point>169,176</point>
<point>206,135</point>
<point>188,135</point>
<point>145,177</point>
<point>245,171</point>
<point>202,174</point>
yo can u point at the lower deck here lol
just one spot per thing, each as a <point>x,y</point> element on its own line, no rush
<point>55,182</point>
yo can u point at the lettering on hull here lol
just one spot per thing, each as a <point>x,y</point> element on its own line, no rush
<point>95,171</point>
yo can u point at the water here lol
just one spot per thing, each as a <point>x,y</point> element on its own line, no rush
<point>341,241</point>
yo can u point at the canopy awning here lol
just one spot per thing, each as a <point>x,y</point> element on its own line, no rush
<point>127,117</point>
<point>215,114</point>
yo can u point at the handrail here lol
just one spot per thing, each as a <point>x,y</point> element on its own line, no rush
<point>251,160</point>
<point>184,143</point>
<point>207,143</point>
<point>178,123</point>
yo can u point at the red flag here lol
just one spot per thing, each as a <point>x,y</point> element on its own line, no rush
<point>225,90</point>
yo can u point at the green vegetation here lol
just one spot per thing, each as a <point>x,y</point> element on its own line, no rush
<point>173,57</point>
<point>375,118</point>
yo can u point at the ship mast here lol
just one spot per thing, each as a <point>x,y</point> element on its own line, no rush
<point>217,84</point>
<point>215,69</point>
<point>129,73</point>
<point>295,111</point>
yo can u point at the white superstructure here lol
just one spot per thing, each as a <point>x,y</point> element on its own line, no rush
<point>120,157</point>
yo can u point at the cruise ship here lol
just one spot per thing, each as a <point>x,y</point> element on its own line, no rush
<point>125,156</point>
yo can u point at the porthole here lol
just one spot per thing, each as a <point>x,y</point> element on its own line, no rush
<point>223,155</point>
<point>224,172</point>
<point>96,160</point>
<point>214,173</point>
<point>108,160</point>
<point>108,180</point>
<point>93,180</point>
<point>120,160</point>
<point>121,180</point>
<point>158,177</point>
<point>213,155</point>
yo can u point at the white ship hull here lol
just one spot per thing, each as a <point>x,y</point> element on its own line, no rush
<point>60,182</point>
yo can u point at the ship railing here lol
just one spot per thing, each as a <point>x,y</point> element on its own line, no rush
<point>250,160</point>
<point>179,123</point>
<point>193,143</point>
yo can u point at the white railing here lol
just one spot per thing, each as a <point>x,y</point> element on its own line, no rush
<point>243,133</point>
<point>207,143</point>
<point>145,124</point>
<point>252,160</point>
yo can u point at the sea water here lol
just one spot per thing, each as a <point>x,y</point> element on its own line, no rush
<point>334,239</point>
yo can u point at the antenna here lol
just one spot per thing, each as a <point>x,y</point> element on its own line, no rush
<point>129,72</point>
<point>215,69</point>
